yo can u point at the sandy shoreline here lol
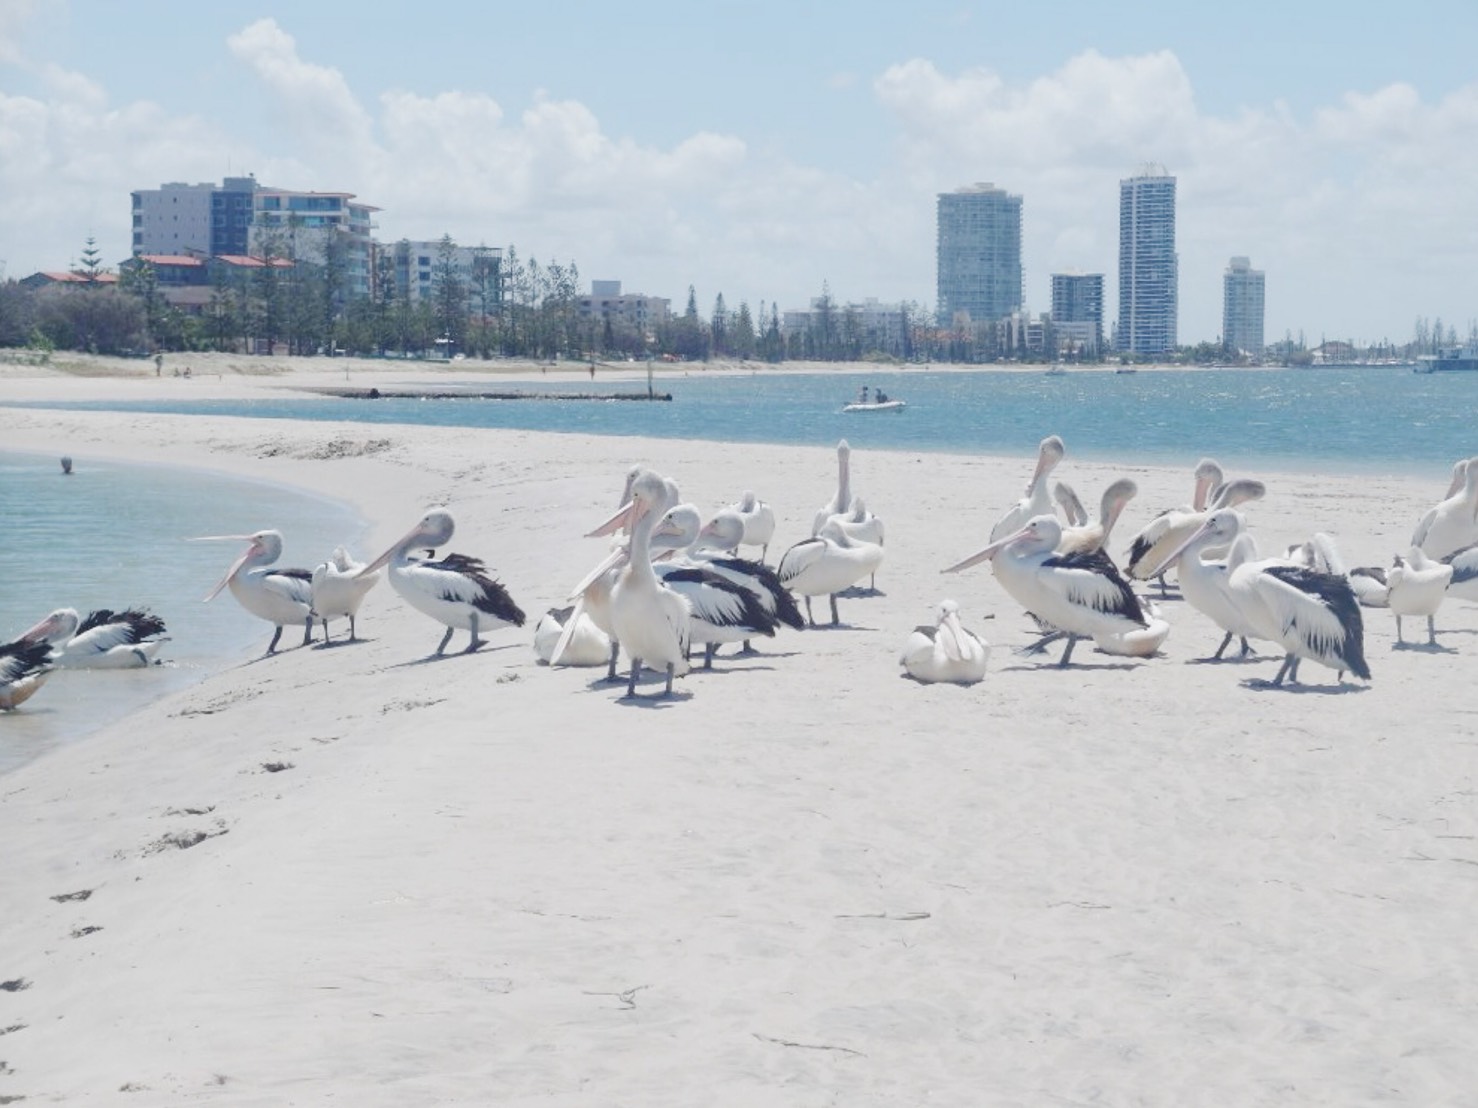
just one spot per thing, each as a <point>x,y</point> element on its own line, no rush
<point>805,880</point>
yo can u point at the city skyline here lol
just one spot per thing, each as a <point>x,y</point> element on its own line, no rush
<point>713,149</point>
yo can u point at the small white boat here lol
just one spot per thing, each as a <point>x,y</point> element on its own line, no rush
<point>875,406</point>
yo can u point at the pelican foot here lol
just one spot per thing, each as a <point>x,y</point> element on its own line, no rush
<point>474,646</point>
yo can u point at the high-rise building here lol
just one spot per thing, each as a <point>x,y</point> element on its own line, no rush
<point>417,266</point>
<point>1242,308</point>
<point>1077,310</point>
<point>1148,266</point>
<point>979,254</point>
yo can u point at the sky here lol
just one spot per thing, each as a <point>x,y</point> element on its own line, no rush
<point>769,150</point>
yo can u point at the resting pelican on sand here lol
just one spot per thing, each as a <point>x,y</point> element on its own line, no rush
<point>722,610</point>
<point>1038,498</point>
<point>25,665</point>
<point>945,651</point>
<point>1069,504</point>
<point>1416,586</point>
<point>1453,523</point>
<point>1081,595</point>
<point>588,645</point>
<point>280,595</point>
<point>338,588</point>
<point>1310,614</point>
<point>1150,549</point>
<point>455,591</point>
<point>1088,537</point>
<point>758,521</point>
<point>825,565</point>
<point>842,501</point>
<point>104,640</point>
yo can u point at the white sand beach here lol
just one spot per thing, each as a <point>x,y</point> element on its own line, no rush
<point>357,875</point>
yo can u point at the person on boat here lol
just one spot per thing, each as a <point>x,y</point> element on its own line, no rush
<point>862,396</point>
<point>882,397</point>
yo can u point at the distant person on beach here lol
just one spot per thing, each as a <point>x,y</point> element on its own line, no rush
<point>592,371</point>
<point>66,467</point>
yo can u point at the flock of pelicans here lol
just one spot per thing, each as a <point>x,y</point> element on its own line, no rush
<point>672,582</point>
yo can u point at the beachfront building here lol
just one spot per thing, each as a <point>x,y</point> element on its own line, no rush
<point>607,304</point>
<point>179,219</point>
<point>1242,308</point>
<point>858,327</point>
<point>417,266</point>
<point>1148,266</point>
<point>1077,313</point>
<point>978,254</point>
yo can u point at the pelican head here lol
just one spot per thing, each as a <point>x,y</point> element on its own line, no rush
<point>723,532</point>
<point>57,628</point>
<point>435,529</point>
<point>1050,451</point>
<point>263,548</point>
<point>1220,528</point>
<point>1041,533</point>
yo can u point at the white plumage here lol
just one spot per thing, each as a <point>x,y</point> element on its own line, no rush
<point>825,565</point>
<point>104,640</point>
<point>281,596</point>
<point>1038,498</point>
<point>945,651</point>
<point>337,589</point>
<point>1416,586</point>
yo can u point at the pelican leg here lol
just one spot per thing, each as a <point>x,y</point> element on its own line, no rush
<point>325,632</point>
<point>351,628</point>
<point>1246,647</point>
<point>476,642</point>
<point>1432,630</point>
<point>1072,641</point>
<point>747,649</point>
<point>272,646</point>
<point>810,619</point>
<point>835,619</point>
<point>1224,644</point>
<point>671,670</point>
<point>1041,644</point>
<point>441,646</point>
<point>1399,640</point>
<point>615,653</point>
<point>709,649</point>
<point>308,629</point>
<point>635,673</point>
<point>1164,587</point>
<point>1288,669</point>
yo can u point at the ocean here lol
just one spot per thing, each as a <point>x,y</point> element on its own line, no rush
<point>111,536</point>
<point>1331,419</point>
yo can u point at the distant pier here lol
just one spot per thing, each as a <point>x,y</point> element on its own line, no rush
<point>471,394</point>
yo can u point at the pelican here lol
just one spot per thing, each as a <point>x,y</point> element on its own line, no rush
<point>1415,586</point>
<point>722,610</point>
<point>278,595</point>
<point>1453,523</point>
<point>716,536</point>
<point>455,591</point>
<point>1464,563</point>
<point>1072,507</point>
<point>650,620</point>
<point>1369,582</point>
<point>842,501</point>
<point>337,589</point>
<point>25,664</point>
<point>1087,537</point>
<point>758,520</point>
<point>945,651</point>
<point>588,645</point>
<point>1142,642</point>
<point>1310,614</point>
<point>1149,550</point>
<point>104,640</point>
<point>1081,595</point>
<point>1205,584</point>
<point>825,565</point>
<point>860,525</point>
<point>1038,499</point>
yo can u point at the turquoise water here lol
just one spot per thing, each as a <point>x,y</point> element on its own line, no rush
<point>111,536</point>
<point>1334,419</point>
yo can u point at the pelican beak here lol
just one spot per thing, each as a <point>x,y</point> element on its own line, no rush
<point>1166,563</point>
<point>1203,493</point>
<point>43,631</point>
<point>404,542</point>
<point>230,573</point>
<point>987,553</point>
<point>616,557</point>
<point>568,631</point>
<point>624,518</point>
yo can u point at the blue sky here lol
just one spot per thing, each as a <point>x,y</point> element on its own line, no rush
<point>761,149</point>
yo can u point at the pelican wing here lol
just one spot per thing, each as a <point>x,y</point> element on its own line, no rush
<point>1464,564</point>
<point>767,579</point>
<point>294,585</point>
<point>1423,528</point>
<point>1319,611</point>
<point>1092,580</point>
<point>460,577</point>
<point>799,558</point>
<point>104,629</point>
<point>717,600</point>
<point>22,659</point>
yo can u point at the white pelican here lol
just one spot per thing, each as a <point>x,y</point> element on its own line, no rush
<point>1070,505</point>
<point>842,501</point>
<point>1142,642</point>
<point>25,664</point>
<point>1087,537</point>
<point>860,525</point>
<point>338,589</point>
<point>1369,582</point>
<point>827,564</point>
<point>1205,584</point>
<point>279,595</point>
<point>1038,498</point>
<point>1081,595</point>
<point>588,645</point>
<point>455,591</point>
<point>945,651</point>
<point>1415,586</point>
<point>722,610</point>
<point>1310,614</point>
<point>758,521</point>
<point>1464,583</point>
<point>1453,523</point>
<point>104,640</point>
<point>651,621</point>
<point>1149,550</point>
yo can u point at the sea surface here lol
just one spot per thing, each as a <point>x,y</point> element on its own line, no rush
<point>112,536</point>
<point>1330,419</point>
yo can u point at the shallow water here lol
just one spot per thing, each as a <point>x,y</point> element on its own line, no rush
<point>1332,419</point>
<point>111,536</point>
